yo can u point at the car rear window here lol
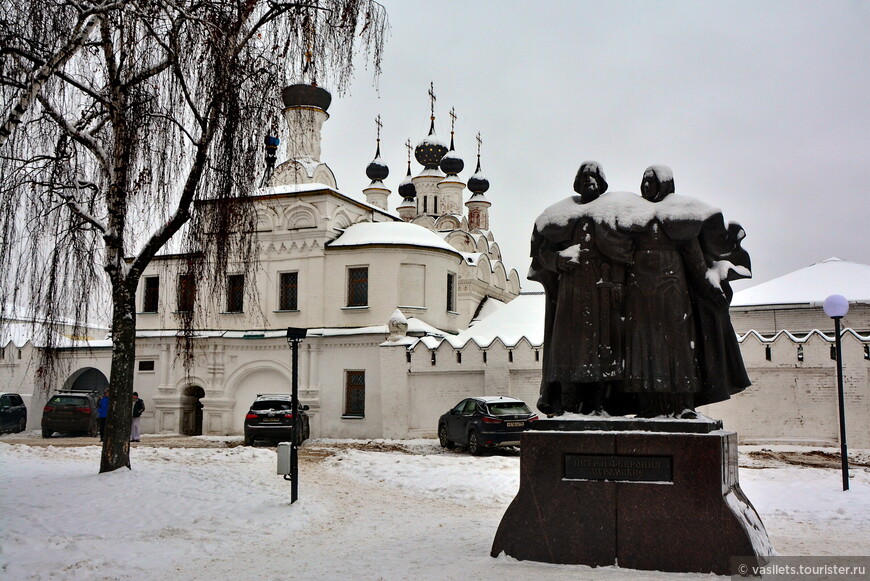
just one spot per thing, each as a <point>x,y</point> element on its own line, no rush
<point>270,405</point>
<point>68,400</point>
<point>508,408</point>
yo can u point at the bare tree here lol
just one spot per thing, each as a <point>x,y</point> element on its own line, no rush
<point>165,106</point>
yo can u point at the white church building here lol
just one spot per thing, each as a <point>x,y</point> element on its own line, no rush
<point>330,263</point>
<point>410,310</point>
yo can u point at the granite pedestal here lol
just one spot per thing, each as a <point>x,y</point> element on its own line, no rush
<point>650,500</point>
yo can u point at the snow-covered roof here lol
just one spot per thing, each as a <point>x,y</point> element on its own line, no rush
<point>625,209</point>
<point>801,337</point>
<point>415,326</point>
<point>433,172</point>
<point>292,189</point>
<point>285,189</point>
<point>811,285</point>
<point>399,233</point>
<point>472,258</point>
<point>19,334</point>
<point>510,323</point>
<point>487,308</point>
<point>25,313</point>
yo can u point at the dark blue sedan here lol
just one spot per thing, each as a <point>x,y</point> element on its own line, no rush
<point>485,422</point>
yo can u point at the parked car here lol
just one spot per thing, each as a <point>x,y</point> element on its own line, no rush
<point>70,412</point>
<point>270,418</point>
<point>485,422</point>
<point>13,413</point>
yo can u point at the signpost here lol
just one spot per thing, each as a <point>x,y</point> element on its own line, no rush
<point>295,336</point>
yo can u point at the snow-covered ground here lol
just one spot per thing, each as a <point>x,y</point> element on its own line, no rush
<point>391,510</point>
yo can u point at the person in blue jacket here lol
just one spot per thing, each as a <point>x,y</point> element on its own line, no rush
<point>103,413</point>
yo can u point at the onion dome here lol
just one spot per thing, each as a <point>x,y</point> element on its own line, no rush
<point>377,170</point>
<point>451,164</point>
<point>478,184</point>
<point>303,95</point>
<point>430,150</point>
<point>407,189</point>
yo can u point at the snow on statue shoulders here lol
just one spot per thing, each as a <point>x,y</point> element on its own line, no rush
<point>625,210</point>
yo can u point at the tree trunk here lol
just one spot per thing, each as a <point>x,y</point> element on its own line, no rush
<point>116,448</point>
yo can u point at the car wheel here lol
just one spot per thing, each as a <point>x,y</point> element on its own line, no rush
<point>46,433</point>
<point>22,424</point>
<point>474,447</point>
<point>443,439</point>
<point>94,431</point>
<point>249,440</point>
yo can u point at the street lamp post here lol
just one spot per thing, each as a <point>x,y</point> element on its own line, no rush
<point>294,337</point>
<point>836,307</point>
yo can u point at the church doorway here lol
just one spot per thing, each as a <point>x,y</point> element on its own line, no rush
<point>191,410</point>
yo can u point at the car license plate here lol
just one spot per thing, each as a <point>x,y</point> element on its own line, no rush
<point>270,421</point>
<point>515,424</point>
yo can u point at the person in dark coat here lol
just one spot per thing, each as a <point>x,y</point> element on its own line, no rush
<point>581,264</point>
<point>138,408</point>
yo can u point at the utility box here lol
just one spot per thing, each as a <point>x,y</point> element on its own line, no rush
<point>284,458</point>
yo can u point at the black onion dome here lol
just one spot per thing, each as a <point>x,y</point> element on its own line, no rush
<point>478,184</point>
<point>430,150</point>
<point>451,164</point>
<point>302,95</point>
<point>407,189</point>
<point>377,170</point>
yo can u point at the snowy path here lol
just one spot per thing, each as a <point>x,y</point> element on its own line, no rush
<point>372,531</point>
<point>210,514</point>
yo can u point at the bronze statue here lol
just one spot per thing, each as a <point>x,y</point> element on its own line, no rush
<point>637,300</point>
<point>581,264</point>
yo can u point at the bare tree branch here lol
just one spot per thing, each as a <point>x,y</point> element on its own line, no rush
<point>74,133</point>
<point>82,31</point>
<point>70,202</point>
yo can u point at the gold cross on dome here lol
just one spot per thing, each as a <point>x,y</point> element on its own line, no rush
<point>479,143</point>
<point>432,98</point>
<point>452,119</point>
<point>379,125</point>
<point>408,145</point>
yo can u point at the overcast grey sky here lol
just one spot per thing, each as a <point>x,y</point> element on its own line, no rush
<point>760,108</point>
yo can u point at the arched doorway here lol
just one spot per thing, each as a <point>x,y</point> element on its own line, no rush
<point>191,410</point>
<point>87,379</point>
<point>262,380</point>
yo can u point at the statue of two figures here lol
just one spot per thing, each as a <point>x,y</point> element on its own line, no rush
<point>637,295</point>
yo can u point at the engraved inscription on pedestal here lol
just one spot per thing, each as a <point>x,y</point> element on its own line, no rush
<point>616,468</point>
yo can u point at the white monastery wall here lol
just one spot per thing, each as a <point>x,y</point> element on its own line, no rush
<point>794,401</point>
<point>791,400</point>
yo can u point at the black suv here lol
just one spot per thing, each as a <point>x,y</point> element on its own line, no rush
<point>13,413</point>
<point>70,412</point>
<point>485,422</point>
<point>271,418</point>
